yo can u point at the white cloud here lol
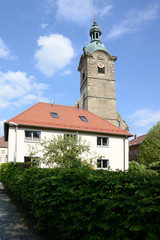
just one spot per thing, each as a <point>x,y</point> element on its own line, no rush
<point>4,51</point>
<point>66,72</point>
<point>104,11</point>
<point>145,118</point>
<point>55,53</point>
<point>134,21</point>
<point>16,89</point>
<point>80,11</point>
<point>44,25</point>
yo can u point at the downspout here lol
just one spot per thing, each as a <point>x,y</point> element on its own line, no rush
<point>15,150</point>
<point>15,153</point>
<point>124,150</point>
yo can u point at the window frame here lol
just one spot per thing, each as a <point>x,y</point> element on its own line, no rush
<point>118,123</point>
<point>71,133</point>
<point>56,115</point>
<point>101,145</point>
<point>30,160</point>
<point>31,140</point>
<point>101,163</point>
<point>83,117</point>
<point>101,70</point>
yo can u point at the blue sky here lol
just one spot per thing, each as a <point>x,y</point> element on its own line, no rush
<point>41,42</point>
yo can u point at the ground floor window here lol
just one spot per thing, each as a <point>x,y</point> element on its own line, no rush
<point>27,159</point>
<point>102,163</point>
<point>33,161</point>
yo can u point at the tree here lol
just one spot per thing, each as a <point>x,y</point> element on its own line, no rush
<point>64,151</point>
<point>150,147</point>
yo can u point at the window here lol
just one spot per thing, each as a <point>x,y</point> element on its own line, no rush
<point>101,70</point>
<point>31,161</point>
<point>33,136</point>
<point>54,115</point>
<point>83,75</point>
<point>102,163</point>
<point>102,141</point>
<point>0,159</point>
<point>96,35</point>
<point>27,159</point>
<point>3,151</point>
<point>118,123</point>
<point>84,100</point>
<point>71,135</point>
<point>83,118</point>
<point>74,135</point>
<point>6,159</point>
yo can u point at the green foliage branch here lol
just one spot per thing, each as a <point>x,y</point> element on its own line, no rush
<point>64,152</point>
<point>150,147</point>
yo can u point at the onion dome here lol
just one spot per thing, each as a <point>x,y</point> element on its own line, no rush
<point>95,43</point>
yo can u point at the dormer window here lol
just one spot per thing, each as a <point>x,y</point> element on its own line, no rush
<point>54,115</point>
<point>83,118</point>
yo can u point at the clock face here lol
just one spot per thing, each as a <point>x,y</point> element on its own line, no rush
<point>101,65</point>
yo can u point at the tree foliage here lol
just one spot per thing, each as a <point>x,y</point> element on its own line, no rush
<point>150,147</point>
<point>64,151</point>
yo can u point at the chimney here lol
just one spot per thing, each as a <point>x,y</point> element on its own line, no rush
<point>53,103</point>
<point>135,136</point>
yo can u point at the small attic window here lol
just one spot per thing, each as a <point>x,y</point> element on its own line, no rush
<point>54,115</point>
<point>83,118</point>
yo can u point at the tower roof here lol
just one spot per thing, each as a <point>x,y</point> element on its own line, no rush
<point>95,28</point>
<point>95,43</point>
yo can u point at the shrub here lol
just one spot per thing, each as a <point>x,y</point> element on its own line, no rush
<point>88,204</point>
<point>140,168</point>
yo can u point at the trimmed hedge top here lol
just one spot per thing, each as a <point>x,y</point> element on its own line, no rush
<point>88,204</point>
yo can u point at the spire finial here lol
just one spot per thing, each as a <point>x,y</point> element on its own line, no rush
<point>95,19</point>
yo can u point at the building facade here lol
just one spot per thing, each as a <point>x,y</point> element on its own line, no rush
<point>97,80</point>
<point>43,120</point>
<point>3,151</point>
<point>134,147</point>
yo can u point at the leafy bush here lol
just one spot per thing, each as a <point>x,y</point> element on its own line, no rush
<point>88,204</point>
<point>150,147</point>
<point>136,167</point>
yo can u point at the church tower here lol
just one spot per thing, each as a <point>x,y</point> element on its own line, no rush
<point>97,80</point>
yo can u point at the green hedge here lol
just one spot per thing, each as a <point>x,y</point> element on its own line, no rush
<point>88,204</point>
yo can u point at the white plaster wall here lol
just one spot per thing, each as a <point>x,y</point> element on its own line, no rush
<point>114,152</point>
<point>3,155</point>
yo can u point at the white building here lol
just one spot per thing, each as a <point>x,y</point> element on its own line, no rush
<point>3,151</point>
<point>46,120</point>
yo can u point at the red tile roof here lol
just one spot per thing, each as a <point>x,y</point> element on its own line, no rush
<point>137,140</point>
<point>39,115</point>
<point>3,144</point>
